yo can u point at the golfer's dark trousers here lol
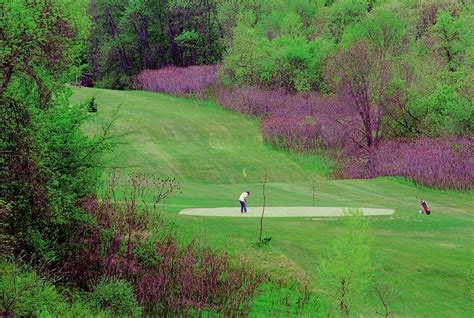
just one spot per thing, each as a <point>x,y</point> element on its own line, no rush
<point>243,206</point>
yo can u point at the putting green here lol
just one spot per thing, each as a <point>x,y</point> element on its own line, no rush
<point>282,212</point>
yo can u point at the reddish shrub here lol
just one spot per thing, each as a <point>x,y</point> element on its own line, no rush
<point>251,100</point>
<point>306,122</point>
<point>436,162</point>
<point>180,81</point>
<point>196,278</point>
<point>297,122</point>
<point>169,278</point>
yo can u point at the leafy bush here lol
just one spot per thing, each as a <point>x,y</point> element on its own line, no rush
<point>146,254</point>
<point>117,296</point>
<point>23,293</point>
<point>92,106</point>
<point>26,294</point>
<point>84,310</point>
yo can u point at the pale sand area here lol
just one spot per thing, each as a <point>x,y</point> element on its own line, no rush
<point>281,212</point>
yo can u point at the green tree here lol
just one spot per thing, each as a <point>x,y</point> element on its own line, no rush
<point>448,111</point>
<point>277,49</point>
<point>42,42</point>
<point>454,36</point>
<point>244,62</point>
<point>342,14</point>
<point>190,46</point>
<point>345,274</point>
<point>109,56</point>
<point>382,29</point>
<point>47,164</point>
<point>297,64</point>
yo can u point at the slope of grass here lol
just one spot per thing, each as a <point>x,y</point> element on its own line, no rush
<point>427,259</point>
<point>195,141</point>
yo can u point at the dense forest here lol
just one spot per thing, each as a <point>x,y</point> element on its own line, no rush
<point>382,87</point>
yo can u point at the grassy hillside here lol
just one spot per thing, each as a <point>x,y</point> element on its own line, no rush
<point>427,259</point>
<point>195,141</point>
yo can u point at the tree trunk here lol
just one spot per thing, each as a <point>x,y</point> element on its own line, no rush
<point>147,58</point>
<point>263,207</point>
<point>113,30</point>
<point>372,162</point>
<point>8,71</point>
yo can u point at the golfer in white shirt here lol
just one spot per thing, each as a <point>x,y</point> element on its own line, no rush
<point>243,201</point>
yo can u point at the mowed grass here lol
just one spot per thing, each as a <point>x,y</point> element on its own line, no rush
<point>216,154</point>
<point>194,141</point>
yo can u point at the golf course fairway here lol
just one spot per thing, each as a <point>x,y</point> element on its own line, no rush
<point>216,154</point>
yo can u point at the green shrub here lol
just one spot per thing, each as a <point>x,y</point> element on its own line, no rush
<point>84,310</point>
<point>146,254</point>
<point>117,296</point>
<point>92,105</point>
<point>23,293</point>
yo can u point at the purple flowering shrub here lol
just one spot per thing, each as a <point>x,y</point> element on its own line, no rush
<point>251,100</point>
<point>308,121</point>
<point>180,81</point>
<point>295,121</point>
<point>304,122</point>
<point>296,129</point>
<point>436,162</point>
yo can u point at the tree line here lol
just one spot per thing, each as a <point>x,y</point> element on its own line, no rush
<point>410,62</point>
<point>129,36</point>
